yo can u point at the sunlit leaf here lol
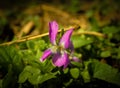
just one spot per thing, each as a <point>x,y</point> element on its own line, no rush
<point>23,77</point>
<point>105,53</point>
<point>74,72</point>
<point>66,71</point>
<point>29,73</point>
<point>78,64</point>
<point>79,41</point>
<point>30,44</point>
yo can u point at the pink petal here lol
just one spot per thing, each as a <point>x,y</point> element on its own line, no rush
<point>75,59</point>
<point>53,29</point>
<point>45,55</point>
<point>61,60</point>
<point>65,40</point>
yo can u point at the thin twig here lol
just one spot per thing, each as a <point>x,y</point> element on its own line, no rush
<point>90,33</point>
<point>26,38</point>
<point>45,34</point>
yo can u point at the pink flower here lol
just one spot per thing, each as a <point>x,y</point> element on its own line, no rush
<point>60,55</point>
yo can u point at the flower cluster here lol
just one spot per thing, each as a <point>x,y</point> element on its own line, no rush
<point>59,51</point>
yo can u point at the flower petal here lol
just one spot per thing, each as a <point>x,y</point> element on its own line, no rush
<point>53,29</point>
<point>45,55</point>
<point>71,47</point>
<point>61,60</point>
<point>75,59</point>
<point>65,40</point>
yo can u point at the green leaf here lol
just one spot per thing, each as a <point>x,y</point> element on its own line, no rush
<point>47,66</point>
<point>40,44</point>
<point>79,41</point>
<point>105,72</point>
<point>33,75</point>
<point>4,58</point>
<point>40,78</point>
<point>30,73</point>
<point>86,76</point>
<point>66,71</point>
<point>23,77</point>
<point>74,72</point>
<point>30,44</point>
<point>78,64</point>
<point>106,53</point>
<point>36,44</point>
<point>45,77</point>
<point>85,73</point>
<point>111,29</point>
<point>34,78</point>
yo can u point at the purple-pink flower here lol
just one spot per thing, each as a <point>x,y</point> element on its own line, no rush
<point>59,50</point>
